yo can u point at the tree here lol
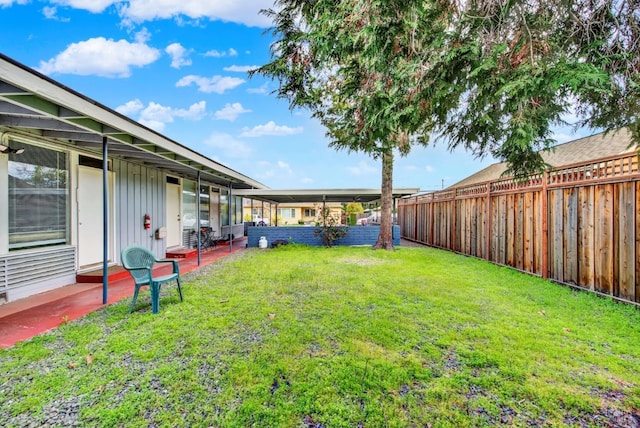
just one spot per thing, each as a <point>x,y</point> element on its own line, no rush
<point>354,208</point>
<point>492,76</point>
<point>511,70</point>
<point>336,59</point>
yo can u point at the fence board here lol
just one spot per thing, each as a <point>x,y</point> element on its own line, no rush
<point>502,226</point>
<point>528,221</point>
<point>510,230</point>
<point>570,236</point>
<point>586,250</point>
<point>637,241</point>
<point>518,245</point>
<point>556,235</point>
<point>603,239</point>
<point>625,242</point>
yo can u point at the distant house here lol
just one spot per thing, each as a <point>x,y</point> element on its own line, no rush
<point>581,150</point>
<point>63,155</point>
<point>288,213</point>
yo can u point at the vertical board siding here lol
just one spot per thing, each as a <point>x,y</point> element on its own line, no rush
<point>592,232</point>
<point>140,191</point>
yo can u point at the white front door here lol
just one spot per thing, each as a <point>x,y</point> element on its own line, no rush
<point>90,215</point>
<point>174,224</point>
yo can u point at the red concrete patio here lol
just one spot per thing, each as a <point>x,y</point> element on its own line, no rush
<point>28,317</point>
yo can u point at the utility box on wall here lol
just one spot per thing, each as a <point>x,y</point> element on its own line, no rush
<point>161,233</point>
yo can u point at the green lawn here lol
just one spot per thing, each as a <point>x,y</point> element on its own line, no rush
<point>341,337</point>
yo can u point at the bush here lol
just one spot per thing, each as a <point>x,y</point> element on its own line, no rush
<point>329,230</point>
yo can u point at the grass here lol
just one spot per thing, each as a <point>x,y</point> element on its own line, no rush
<point>342,337</point>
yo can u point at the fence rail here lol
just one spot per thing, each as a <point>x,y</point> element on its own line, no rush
<point>578,225</point>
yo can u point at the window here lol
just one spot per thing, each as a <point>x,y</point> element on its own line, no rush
<point>205,205</point>
<point>238,210</point>
<point>188,204</point>
<point>224,207</point>
<point>38,198</point>
<point>309,212</point>
<point>287,212</point>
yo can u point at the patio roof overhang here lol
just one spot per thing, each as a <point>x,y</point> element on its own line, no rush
<point>320,195</point>
<point>33,105</point>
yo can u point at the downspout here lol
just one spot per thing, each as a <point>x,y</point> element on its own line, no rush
<point>198,216</point>
<point>105,220</point>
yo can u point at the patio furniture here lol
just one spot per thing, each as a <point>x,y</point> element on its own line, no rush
<point>139,262</point>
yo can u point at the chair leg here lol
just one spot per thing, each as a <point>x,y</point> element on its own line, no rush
<point>155,297</point>
<point>179,289</point>
<point>135,297</point>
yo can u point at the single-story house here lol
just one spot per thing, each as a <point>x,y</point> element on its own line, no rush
<point>79,182</point>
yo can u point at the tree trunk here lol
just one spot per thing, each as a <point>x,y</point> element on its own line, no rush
<point>385,238</point>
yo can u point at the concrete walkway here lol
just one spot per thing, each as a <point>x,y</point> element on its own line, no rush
<point>28,317</point>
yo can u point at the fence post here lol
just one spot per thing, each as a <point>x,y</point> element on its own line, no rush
<point>545,227</point>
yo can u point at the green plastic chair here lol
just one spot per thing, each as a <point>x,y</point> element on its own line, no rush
<point>139,262</point>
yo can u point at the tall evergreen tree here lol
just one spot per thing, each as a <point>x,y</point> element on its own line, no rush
<point>492,76</point>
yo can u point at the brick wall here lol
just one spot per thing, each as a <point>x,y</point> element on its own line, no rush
<point>357,235</point>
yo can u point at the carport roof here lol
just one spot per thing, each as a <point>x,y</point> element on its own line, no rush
<point>33,105</point>
<point>320,195</point>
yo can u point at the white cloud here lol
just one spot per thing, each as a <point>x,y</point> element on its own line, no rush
<point>264,89</point>
<point>156,116</point>
<point>285,167</point>
<point>130,108</point>
<point>102,57</point>
<point>179,55</point>
<point>429,168</point>
<point>363,168</point>
<point>270,128</point>
<point>230,112</point>
<point>52,13</point>
<point>246,13</point>
<point>94,6</point>
<point>142,36</point>
<point>7,3</point>
<point>306,180</point>
<point>195,111</point>
<point>219,54</point>
<point>217,84</point>
<point>228,146</point>
<point>265,174</point>
<point>241,68</point>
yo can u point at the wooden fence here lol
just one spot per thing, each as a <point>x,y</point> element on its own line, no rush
<point>578,225</point>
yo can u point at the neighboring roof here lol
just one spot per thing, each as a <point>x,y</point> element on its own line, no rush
<point>320,195</point>
<point>32,104</point>
<point>581,150</point>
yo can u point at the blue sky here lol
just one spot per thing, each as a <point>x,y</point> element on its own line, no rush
<point>180,67</point>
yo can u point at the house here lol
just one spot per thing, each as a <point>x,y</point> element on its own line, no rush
<point>595,146</point>
<point>79,182</point>
<point>288,213</point>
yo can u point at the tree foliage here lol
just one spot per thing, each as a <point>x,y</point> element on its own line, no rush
<point>354,207</point>
<point>492,76</point>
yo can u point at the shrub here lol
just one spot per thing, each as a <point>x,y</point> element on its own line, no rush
<point>329,230</point>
